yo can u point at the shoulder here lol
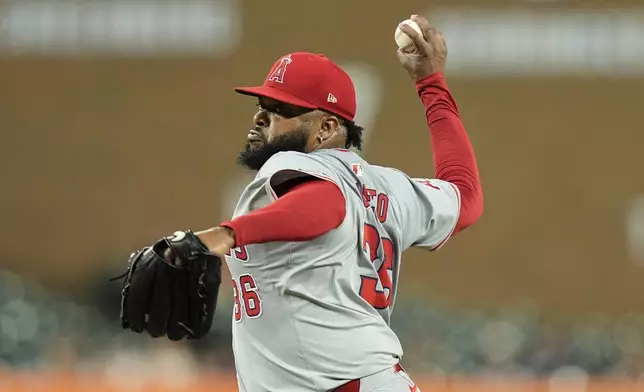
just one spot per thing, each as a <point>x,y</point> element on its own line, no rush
<point>337,153</point>
<point>289,165</point>
<point>290,160</point>
<point>326,160</point>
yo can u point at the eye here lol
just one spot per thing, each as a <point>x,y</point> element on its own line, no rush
<point>270,110</point>
<point>286,111</point>
<point>283,110</point>
<point>279,110</point>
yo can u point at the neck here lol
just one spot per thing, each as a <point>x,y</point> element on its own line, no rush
<point>336,141</point>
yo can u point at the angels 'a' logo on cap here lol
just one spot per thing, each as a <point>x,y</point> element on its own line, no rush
<point>278,73</point>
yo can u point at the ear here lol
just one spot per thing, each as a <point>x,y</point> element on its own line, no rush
<point>328,127</point>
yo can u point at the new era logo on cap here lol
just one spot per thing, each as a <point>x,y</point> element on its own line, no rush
<point>305,79</point>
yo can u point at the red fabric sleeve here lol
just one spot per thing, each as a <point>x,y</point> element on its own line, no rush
<point>303,213</point>
<point>454,159</point>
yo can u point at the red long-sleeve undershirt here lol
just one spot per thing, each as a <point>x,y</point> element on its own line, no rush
<point>454,159</point>
<point>291,218</point>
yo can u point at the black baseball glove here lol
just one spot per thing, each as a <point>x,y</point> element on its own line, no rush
<point>171,288</point>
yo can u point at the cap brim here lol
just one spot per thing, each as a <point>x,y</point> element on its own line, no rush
<point>276,94</point>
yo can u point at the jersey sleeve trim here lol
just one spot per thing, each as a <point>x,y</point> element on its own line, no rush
<point>273,194</point>
<point>444,240</point>
<point>290,165</point>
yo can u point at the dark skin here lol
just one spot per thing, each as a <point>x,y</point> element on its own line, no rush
<point>320,129</point>
<point>323,129</point>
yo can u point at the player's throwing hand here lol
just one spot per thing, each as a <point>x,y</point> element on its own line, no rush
<point>431,51</point>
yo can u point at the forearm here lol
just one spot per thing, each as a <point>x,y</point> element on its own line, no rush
<point>454,159</point>
<point>303,213</point>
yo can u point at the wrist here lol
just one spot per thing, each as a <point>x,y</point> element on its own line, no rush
<point>230,230</point>
<point>433,79</point>
<point>231,234</point>
<point>217,238</point>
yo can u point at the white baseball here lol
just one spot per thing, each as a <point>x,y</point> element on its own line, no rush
<point>402,40</point>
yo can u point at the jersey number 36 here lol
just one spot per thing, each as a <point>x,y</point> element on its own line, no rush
<point>247,299</point>
<point>379,299</point>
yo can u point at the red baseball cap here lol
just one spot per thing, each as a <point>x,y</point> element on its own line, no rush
<point>308,80</point>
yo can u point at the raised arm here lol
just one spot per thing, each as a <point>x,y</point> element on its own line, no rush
<point>454,159</point>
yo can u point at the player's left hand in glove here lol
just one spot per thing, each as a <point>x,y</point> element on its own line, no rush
<point>171,288</point>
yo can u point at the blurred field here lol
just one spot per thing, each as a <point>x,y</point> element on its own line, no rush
<point>226,383</point>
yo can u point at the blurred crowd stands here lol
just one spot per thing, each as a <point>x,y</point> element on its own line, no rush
<point>40,331</point>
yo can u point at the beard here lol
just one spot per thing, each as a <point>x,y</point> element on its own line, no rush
<point>254,157</point>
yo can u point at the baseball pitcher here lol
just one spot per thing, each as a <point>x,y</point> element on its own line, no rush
<point>314,246</point>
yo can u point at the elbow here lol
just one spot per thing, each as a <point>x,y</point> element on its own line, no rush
<point>471,210</point>
<point>475,210</point>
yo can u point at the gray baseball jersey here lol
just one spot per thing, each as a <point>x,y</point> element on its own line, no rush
<point>310,316</point>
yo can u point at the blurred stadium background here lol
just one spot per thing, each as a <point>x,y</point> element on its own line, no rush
<point>119,125</point>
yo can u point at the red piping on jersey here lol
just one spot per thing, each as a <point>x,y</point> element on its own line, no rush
<point>297,215</point>
<point>454,159</point>
<point>305,212</point>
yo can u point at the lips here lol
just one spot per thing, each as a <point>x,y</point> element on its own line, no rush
<point>254,136</point>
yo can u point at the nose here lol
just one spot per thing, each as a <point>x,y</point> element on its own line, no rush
<point>260,119</point>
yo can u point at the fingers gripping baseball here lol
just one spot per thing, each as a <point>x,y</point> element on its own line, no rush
<point>425,27</point>
<point>430,50</point>
<point>420,44</point>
